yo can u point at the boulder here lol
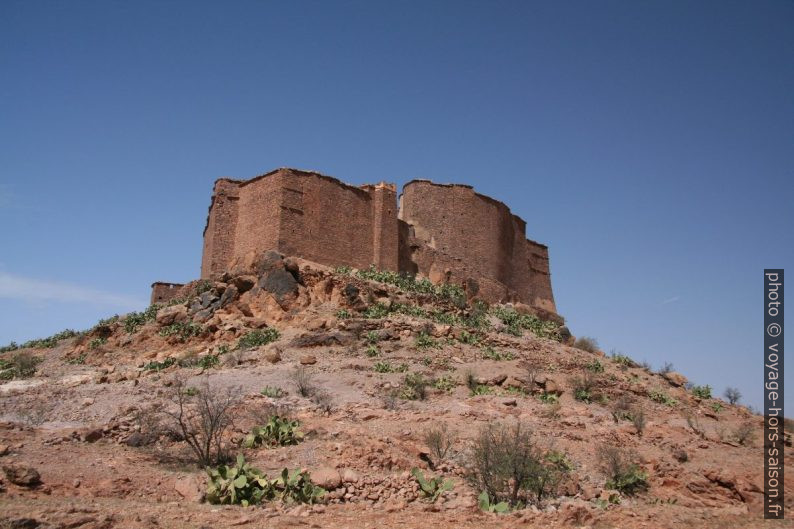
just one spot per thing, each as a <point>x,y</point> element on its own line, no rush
<point>349,476</point>
<point>280,283</point>
<point>190,487</point>
<point>676,379</point>
<point>244,283</point>
<point>170,315</point>
<point>308,360</point>
<point>22,476</point>
<point>327,478</point>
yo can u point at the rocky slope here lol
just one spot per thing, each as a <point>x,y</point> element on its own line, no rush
<point>367,364</point>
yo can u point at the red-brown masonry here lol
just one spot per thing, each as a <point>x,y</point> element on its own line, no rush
<point>443,232</point>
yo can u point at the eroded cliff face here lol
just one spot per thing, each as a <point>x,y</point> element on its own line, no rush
<point>447,233</point>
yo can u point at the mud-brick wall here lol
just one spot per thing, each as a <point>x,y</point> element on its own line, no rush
<point>259,215</point>
<point>165,292</point>
<point>456,221</point>
<point>220,230</point>
<point>325,221</point>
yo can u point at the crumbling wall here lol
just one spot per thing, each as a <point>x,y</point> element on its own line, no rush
<point>165,292</point>
<point>447,233</point>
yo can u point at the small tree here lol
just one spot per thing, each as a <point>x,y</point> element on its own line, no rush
<point>509,466</point>
<point>201,418</point>
<point>732,394</point>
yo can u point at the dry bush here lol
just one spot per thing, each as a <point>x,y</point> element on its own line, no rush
<point>390,399</point>
<point>621,408</point>
<point>323,400</point>
<point>744,433</point>
<point>202,418</point>
<point>303,379</point>
<point>551,411</point>
<point>508,465</point>
<point>586,343</point>
<point>583,386</point>
<point>622,472</point>
<point>693,421</point>
<point>733,395</point>
<point>262,412</point>
<point>638,420</point>
<point>439,441</point>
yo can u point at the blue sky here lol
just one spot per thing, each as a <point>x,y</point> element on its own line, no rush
<point>649,144</point>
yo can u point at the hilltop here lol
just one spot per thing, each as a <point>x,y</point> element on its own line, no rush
<point>364,380</point>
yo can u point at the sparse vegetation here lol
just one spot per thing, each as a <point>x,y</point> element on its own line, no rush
<point>383,367</point>
<point>703,392</point>
<point>244,485</point>
<point>693,421</point>
<point>622,360</point>
<point>272,392</point>
<point>279,431</point>
<point>343,314</point>
<point>406,283</point>
<point>509,465</point>
<point>583,386</point>
<point>135,320</point>
<point>258,338</point>
<point>202,420</point>
<point>444,383</point>
<point>159,366</point>
<point>595,366</point>
<point>586,343</point>
<point>425,341</point>
<point>431,487</point>
<point>732,395</point>
<point>414,387</point>
<point>303,380</point>
<point>623,474</point>
<point>97,342</point>
<point>743,433</point>
<point>439,440</point>
<point>667,367</point>
<point>661,397</point>
<point>183,330</point>
<point>490,353</point>
<point>516,323</point>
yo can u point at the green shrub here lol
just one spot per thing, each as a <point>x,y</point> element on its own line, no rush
<point>510,466</point>
<point>272,392</point>
<point>184,330</point>
<point>583,387</point>
<point>449,292</point>
<point>414,387</point>
<point>595,367</point>
<point>77,360</point>
<point>13,346</point>
<point>425,341</point>
<point>549,398</point>
<point>661,397</point>
<point>343,314</point>
<point>432,487</point>
<point>373,337</point>
<point>490,353</point>
<point>623,360</point>
<point>469,338</point>
<point>245,485</point>
<point>135,320</point>
<point>444,383</point>
<point>481,389</point>
<point>485,504</point>
<point>378,310</point>
<point>279,431</point>
<point>209,361</point>
<point>159,366</point>
<point>383,367</point>
<point>373,351</point>
<point>703,392</point>
<point>516,323</point>
<point>257,338</point>
<point>21,365</point>
<point>622,473</point>
<point>97,342</point>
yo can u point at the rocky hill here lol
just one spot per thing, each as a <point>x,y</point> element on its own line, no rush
<point>390,402</point>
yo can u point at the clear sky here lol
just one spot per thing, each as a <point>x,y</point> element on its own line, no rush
<point>649,144</point>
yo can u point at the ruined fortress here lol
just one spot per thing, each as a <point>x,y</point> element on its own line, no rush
<point>446,233</point>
